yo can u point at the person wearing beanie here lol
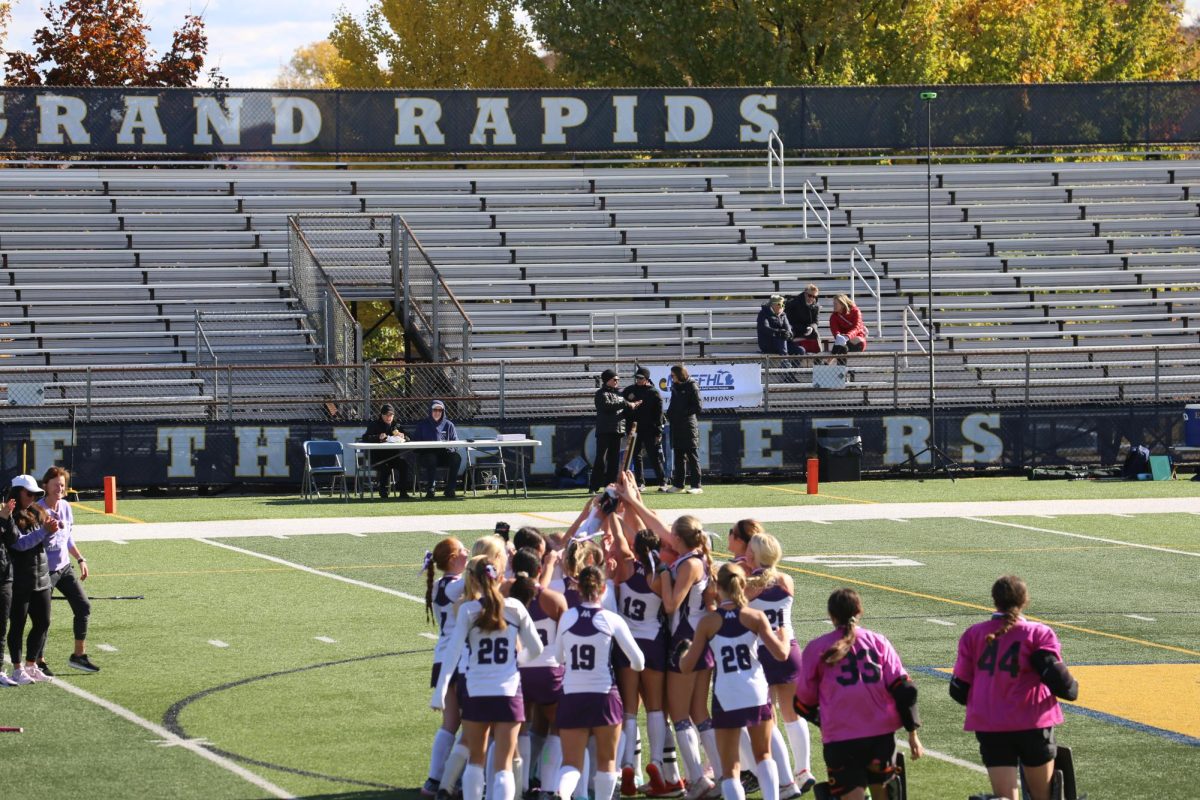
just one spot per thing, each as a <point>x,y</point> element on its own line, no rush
<point>611,408</point>
<point>438,428</point>
<point>649,419</point>
<point>387,464</point>
<point>774,330</point>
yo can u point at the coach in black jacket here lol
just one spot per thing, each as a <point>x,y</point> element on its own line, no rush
<point>649,419</point>
<point>610,427</point>
<point>683,414</point>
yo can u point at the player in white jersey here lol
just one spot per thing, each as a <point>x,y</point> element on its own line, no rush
<point>591,702</point>
<point>449,557</point>
<point>741,697</point>
<point>772,592</point>
<point>490,629</point>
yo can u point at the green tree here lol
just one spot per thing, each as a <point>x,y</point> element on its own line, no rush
<point>312,66</point>
<point>436,43</point>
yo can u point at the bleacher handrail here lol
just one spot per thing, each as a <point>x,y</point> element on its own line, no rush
<point>856,275</point>
<point>775,155</point>
<point>826,223</point>
<point>909,312</point>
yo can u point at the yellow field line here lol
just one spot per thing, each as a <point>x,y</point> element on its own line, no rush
<point>548,519</point>
<point>834,496</point>
<point>976,606</point>
<point>98,511</point>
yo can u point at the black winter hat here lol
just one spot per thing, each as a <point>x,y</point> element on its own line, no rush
<point>607,375</point>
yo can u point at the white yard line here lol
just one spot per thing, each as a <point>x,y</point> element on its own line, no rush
<point>1085,536</point>
<point>108,648</point>
<point>949,759</point>
<point>427,635</point>
<point>1139,616</point>
<point>218,643</point>
<point>194,745</point>
<point>940,622</point>
<point>325,639</point>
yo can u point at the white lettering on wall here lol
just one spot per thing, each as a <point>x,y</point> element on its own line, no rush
<point>558,114</point>
<point>754,109</point>
<point>905,436</point>
<point>492,115</point>
<point>181,445</point>
<point>141,113</point>
<point>758,452</point>
<point>982,446</point>
<point>48,444</point>
<point>417,121</point>
<point>212,118</point>
<point>543,455</point>
<point>682,109</point>
<point>297,120</point>
<point>61,114</point>
<point>261,452</point>
<point>624,127</point>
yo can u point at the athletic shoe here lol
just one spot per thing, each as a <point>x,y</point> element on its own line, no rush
<point>806,782</point>
<point>673,489</point>
<point>6,681</point>
<point>749,782</point>
<point>36,675</point>
<point>657,786</point>
<point>84,664</point>
<point>430,495</point>
<point>20,678</point>
<point>695,490</point>
<point>628,784</point>
<point>666,487</point>
<point>430,789</point>
<point>788,792</point>
<point>45,668</point>
<point>700,789</point>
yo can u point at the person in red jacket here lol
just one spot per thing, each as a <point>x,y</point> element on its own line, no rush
<point>846,326</point>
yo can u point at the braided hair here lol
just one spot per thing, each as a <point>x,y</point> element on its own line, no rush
<point>1010,594</point>
<point>438,558</point>
<point>845,609</point>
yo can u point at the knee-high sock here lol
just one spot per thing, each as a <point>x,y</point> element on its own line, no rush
<point>455,764</point>
<point>779,753</point>
<point>473,782</point>
<point>553,766</point>
<point>638,778</point>
<point>629,739</point>
<point>768,779</point>
<point>489,769</point>
<point>745,751</point>
<point>656,730</point>
<point>606,784</point>
<point>443,741</point>
<point>670,762</point>
<point>798,735</point>
<point>689,750</point>
<point>504,787</point>
<point>731,789</point>
<point>536,743</point>
<point>708,737</point>
<point>521,764</point>
<point>568,779</point>
<point>585,776</point>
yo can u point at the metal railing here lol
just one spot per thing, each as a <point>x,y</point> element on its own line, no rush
<point>826,223</point>
<point>618,314</point>
<point>775,155</point>
<point>910,313</point>
<point>856,276</point>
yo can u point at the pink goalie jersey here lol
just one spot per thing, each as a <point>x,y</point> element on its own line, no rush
<point>1006,694</point>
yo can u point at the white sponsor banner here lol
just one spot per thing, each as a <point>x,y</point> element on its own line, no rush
<point>721,385</point>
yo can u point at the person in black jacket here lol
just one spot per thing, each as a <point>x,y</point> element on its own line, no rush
<point>610,427</point>
<point>774,330</point>
<point>28,527</point>
<point>804,315</point>
<point>387,463</point>
<point>649,419</point>
<point>683,414</point>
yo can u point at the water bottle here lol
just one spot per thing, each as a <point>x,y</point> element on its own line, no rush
<point>493,481</point>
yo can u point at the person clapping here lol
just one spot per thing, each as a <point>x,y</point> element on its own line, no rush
<point>25,528</point>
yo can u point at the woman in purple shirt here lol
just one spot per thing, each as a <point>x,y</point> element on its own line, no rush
<point>62,575</point>
<point>1008,674</point>
<point>853,685</point>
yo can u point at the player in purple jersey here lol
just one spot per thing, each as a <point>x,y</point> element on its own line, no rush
<point>739,538</point>
<point>854,687</point>
<point>441,599</point>
<point>1009,674</point>
<point>741,697</point>
<point>773,593</point>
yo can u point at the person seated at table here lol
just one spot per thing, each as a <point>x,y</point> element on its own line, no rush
<point>437,428</point>
<point>387,463</point>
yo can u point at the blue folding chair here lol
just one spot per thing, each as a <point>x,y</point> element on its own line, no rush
<point>322,457</point>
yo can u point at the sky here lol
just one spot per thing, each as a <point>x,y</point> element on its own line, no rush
<point>248,40</point>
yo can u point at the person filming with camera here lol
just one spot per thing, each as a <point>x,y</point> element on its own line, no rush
<point>25,528</point>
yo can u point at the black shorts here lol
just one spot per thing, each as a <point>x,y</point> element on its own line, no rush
<point>857,763</point>
<point>1032,747</point>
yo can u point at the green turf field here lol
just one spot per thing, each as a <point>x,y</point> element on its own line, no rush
<point>319,686</point>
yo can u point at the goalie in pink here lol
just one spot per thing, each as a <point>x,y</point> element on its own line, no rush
<point>1009,674</point>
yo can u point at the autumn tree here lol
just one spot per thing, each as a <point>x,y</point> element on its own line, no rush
<point>312,66</point>
<point>103,43</point>
<point>436,43</point>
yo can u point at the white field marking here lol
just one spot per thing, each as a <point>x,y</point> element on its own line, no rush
<point>1085,536</point>
<point>170,743</point>
<point>821,521</point>
<point>108,648</point>
<point>311,571</point>
<point>167,736</point>
<point>1139,616</point>
<point>218,643</point>
<point>1046,516</point>
<point>359,535</point>
<point>428,635</point>
<point>1126,516</point>
<point>949,759</point>
<point>940,622</point>
<point>278,536</point>
<point>118,541</point>
<point>897,519</point>
<point>325,639</point>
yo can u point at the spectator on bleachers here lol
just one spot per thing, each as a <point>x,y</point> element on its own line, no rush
<point>846,325</point>
<point>683,413</point>
<point>804,315</point>
<point>774,331</point>
<point>438,428</point>
<point>649,419</point>
<point>387,463</point>
<point>611,410</point>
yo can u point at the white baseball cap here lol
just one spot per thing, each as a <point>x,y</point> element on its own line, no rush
<point>28,483</point>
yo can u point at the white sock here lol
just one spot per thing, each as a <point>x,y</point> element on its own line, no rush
<point>768,779</point>
<point>689,750</point>
<point>779,754</point>
<point>473,782</point>
<point>585,780</point>
<point>656,731</point>
<point>521,762</point>
<point>670,761</point>
<point>489,769</point>
<point>536,743</point>
<point>638,778</point>
<point>553,765</point>
<point>798,735</point>
<point>455,765</point>
<point>731,789</point>
<point>708,737</point>
<point>606,784</point>
<point>629,739</point>
<point>505,786</point>
<point>745,751</point>
<point>443,741</point>
<point>568,779</point>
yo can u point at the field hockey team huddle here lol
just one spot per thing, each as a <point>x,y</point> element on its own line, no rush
<point>550,645</point>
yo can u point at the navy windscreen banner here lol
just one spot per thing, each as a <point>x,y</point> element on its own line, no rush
<point>337,122</point>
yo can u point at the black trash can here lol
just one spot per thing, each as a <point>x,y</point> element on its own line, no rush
<point>839,450</point>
